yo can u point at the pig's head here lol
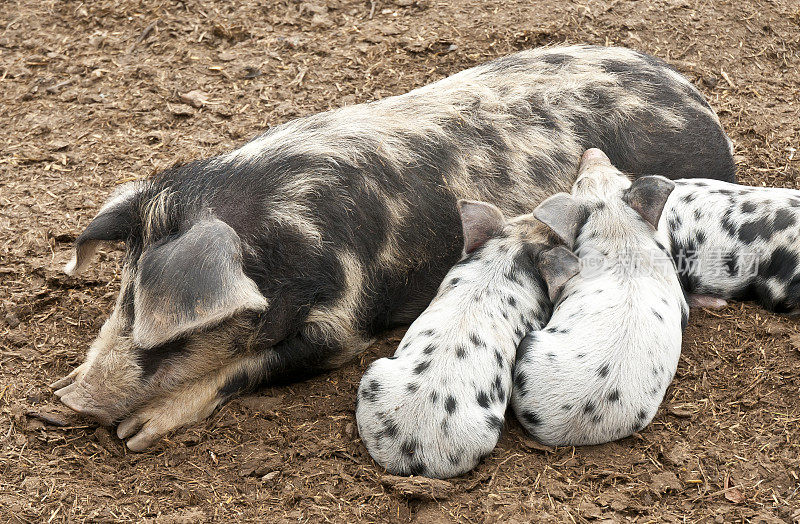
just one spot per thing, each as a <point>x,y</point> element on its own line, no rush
<point>183,293</point>
<point>604,199</point>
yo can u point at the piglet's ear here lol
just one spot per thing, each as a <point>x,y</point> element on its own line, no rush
<point>113,222</point>
<point>563,215</point>
<point>557,266</point>
<point>190,282</point>
<point>647,196</point>
<point>480,221</point>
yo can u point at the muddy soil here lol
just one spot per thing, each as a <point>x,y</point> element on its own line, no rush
<point>97,93</point>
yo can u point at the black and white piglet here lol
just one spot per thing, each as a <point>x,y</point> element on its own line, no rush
<point>605,380</point>
<point>735,242</point>
<point>437,406</point>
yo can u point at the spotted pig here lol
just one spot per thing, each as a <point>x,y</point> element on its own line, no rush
<point>437,407</point>
<point>735,242</point>
<point>600,368</point>
<point>285,257</point>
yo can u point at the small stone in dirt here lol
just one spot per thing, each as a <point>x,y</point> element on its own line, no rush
<point>418,487</point>
<point>251,72</point>
<point>681,410</point>
<point>776,328</point>
<point>269,476</point>
<point>181,110</point>
<point>58,145</point>
<point>665,481</point>
<point>590,509</point>
<point>734,495</point>
<point>195,98</point>
<point>321,21</point>
<point>12,320</point>
<point>795,340</point>
<point>678,454</point>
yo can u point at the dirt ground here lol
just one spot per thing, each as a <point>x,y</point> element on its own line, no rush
<point>97,93</point>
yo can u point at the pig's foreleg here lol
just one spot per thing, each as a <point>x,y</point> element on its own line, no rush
<point>190,403</point>
<point>295,358</point>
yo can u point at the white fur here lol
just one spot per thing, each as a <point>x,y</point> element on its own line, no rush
<point>710,226</point>
<point>441,420</point>
<point>599,371</point>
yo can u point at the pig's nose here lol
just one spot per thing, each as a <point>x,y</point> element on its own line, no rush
<point>592,157</point>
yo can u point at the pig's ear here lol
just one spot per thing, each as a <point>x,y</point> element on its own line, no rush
<point>190,282</point>
<point>648,195</point>
<point>557,266</point>
<point>113,223</point>
<point>563,214</point>
<point>480,221</point>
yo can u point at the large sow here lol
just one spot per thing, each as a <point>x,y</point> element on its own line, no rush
<point>286,256</point>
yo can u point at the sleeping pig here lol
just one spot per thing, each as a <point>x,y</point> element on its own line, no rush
<point>735,242</point>
<point>285,257</point>
<point>436,407</point>
<point>600,368</point>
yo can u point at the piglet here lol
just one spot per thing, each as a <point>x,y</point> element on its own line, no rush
<point>600,368</point>
<point>437,407</point>
<point>735,242</point>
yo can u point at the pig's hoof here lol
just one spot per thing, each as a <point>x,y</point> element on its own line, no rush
<point>707,301</point>
<point>150,423</point>
<point>143,432</point>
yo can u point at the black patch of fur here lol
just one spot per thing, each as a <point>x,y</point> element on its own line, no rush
<point>531,418</point>
<point>234,385</point>
<point>150,360</point>
<point>494,422</point>
<point>748,207</point>
<point>421,367</point>
<point>757,229</point>
<point>784,218</point>
<point>483,399</point>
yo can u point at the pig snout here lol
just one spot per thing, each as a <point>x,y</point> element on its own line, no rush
<point>103,388</point>
<point>592,157</point>
<point>78,397</point>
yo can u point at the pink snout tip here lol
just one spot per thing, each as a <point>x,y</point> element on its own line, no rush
<point>593,156</point>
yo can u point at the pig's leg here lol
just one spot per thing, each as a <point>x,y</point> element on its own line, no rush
<point>707,301</point>
<point>189,404</point>
<point>295,358</point>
